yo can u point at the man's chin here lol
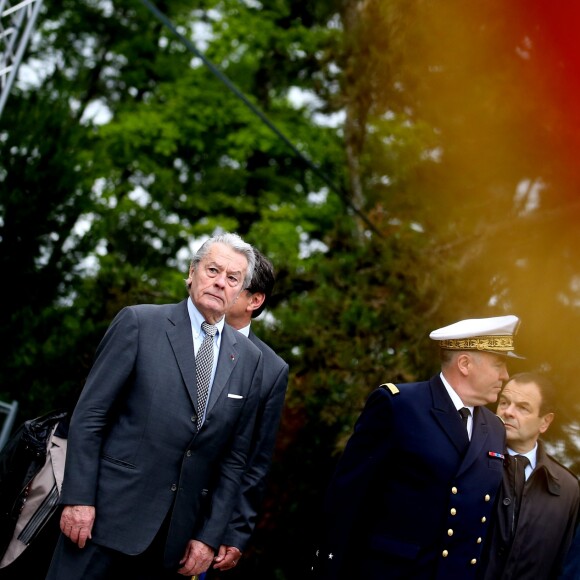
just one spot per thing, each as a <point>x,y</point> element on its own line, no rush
<point>213,303</point>
<point>212,309</point>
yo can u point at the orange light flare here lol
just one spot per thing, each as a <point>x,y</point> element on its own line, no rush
<point>554,74</point>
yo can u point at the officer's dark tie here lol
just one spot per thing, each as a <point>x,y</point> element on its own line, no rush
<point>517,474</point>
<point>465,412</point>
<point>203,368</point>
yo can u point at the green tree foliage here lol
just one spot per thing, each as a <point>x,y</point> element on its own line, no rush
<point>446,190</point>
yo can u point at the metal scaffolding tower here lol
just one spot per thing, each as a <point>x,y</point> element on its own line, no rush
<point>16,24</point>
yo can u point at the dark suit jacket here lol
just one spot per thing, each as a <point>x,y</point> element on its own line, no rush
<point>272,394</point>
<point>134,451</point>
<point>412,496</point>
<point>545,526</point>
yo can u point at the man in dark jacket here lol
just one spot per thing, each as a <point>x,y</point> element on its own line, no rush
<point>414,490</point>
<point>532,541</point>
<point>248,306</point>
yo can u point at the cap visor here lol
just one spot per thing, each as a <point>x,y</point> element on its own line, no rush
<point>509,354</point>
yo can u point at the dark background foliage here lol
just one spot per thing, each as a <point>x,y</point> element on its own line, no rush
<point>427,173</point>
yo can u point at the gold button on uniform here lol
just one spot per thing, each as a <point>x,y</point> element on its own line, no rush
<point>445,553</point>
<point>479,540</point>
<point>483,520</point>
<point>473,562</point>
<point>453,511</point>
<point>487,497</point>
<point>453,490</point>
<point>450,532</point>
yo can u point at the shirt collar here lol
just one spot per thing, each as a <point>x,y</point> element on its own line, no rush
<point>531,455</point>
<point>245,330</point>
<point>197,318</point>
<point>454,396</point>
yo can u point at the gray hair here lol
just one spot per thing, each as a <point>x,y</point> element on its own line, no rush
<point>235,242</point>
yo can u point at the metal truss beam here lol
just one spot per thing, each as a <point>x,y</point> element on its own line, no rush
<point>17,20</point>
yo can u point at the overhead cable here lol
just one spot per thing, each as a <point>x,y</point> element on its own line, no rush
<point>226,81</point>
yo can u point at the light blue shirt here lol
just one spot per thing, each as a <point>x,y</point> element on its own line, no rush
<point>198,335</point>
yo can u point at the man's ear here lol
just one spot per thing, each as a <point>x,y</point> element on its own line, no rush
<point>546,421</point>
<point>463,361</point>
<point>256,300</point>
<point>189,280</point>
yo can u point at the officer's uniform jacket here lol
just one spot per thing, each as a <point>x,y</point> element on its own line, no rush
<point>412,496</point>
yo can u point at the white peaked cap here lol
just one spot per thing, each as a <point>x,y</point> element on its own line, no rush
<point>493,334</point>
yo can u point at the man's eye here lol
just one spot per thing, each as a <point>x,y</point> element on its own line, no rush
<point>233,281</point>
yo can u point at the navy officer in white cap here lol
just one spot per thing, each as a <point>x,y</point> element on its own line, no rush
<point>413,493</point>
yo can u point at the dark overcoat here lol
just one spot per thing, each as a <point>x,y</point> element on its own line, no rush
<point>546,524</point>
<point>412,496</point>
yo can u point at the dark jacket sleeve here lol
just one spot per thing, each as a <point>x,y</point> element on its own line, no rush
<point>245,514</point>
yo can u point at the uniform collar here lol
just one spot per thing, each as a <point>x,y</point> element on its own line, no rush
<point>454,396</point>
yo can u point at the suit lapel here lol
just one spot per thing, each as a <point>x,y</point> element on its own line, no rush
<point>227,360</point>
<point>181,339</point>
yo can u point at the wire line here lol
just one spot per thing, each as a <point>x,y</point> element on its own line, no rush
<point>224,79</point>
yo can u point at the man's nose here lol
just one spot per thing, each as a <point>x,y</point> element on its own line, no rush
<point>221,279</point>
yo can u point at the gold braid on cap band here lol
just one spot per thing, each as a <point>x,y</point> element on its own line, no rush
<point>501,343</point>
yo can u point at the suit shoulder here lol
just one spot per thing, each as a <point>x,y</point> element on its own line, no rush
<point>150,309</point>
<point>242,342</point>
<point>404,389</point>
<point>390,388</point>
<point>269,353</point>
<point>491,415</point>
<point>495,420</point>
<point>564,471</point>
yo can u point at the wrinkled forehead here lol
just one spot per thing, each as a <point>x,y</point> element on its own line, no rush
<point>226,258</point>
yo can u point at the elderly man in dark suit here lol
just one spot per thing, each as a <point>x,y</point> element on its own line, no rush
<point>413,492</point>
<point>249,305</point>
<point>154,460</point>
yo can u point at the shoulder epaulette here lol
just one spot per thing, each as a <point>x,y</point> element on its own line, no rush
<point>389,386</point>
